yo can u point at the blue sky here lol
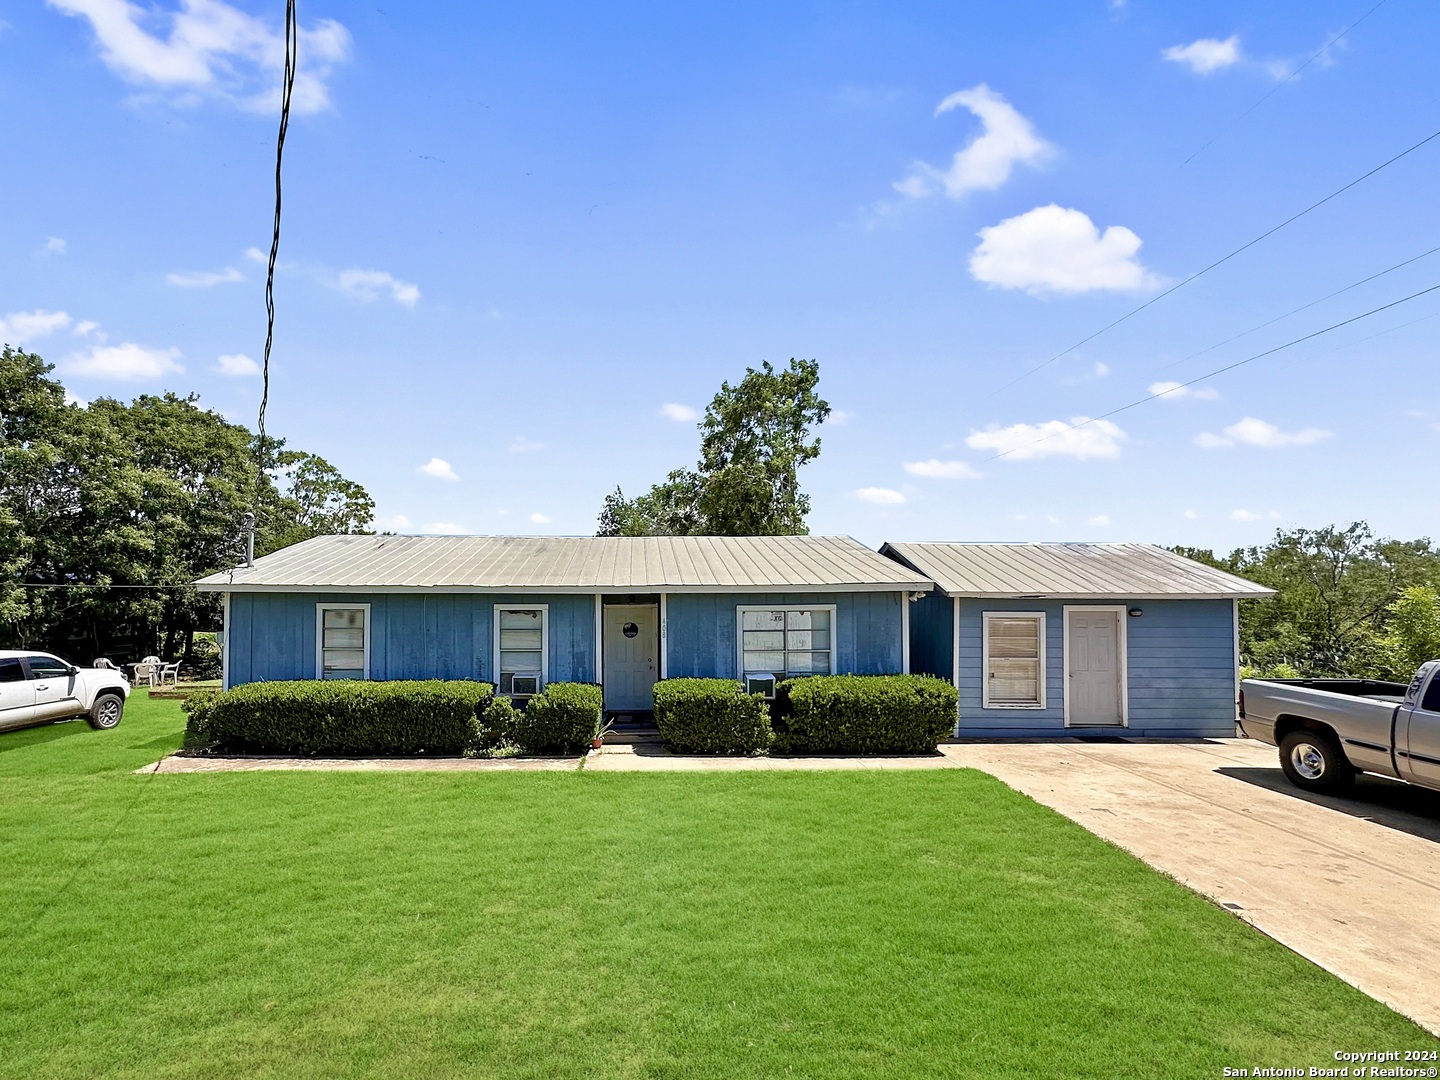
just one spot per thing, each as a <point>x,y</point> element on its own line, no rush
<point>524,244</point>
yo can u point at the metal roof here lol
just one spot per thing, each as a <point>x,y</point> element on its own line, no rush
<point>572,564</point>
<point>1078,571</point>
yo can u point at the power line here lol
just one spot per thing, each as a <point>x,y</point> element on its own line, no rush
<point>1278,86</point>
<point>1296,311</point>
<point>1218,262</point>
<point>1211,374</point>
<point>287,86</point>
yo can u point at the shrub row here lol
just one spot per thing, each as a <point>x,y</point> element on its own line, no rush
<point>846,714</point>
<point>863,714</point>
<point>342,717</point>
<point>563,716</point>
<point>711,716</point>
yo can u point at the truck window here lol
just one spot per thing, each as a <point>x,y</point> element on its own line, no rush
<point>1432,694</point>
<point>10,671</point>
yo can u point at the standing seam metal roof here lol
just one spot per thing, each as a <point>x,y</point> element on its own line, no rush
<point>709,563</point>
<point>1138,571</point>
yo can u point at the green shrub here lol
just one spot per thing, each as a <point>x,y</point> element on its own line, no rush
<point>497,724</point>
<point>198,708</point>
<point>711,716</point>
<point>341,717</point>
<point>863,714</point>
<point>563,716</point>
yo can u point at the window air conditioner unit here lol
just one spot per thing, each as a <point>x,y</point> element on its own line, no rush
<point>760,684</point>
<point>524,685</point>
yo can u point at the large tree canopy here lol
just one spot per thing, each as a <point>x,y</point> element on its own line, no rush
<point>109,511</point>
<point>753,440</point>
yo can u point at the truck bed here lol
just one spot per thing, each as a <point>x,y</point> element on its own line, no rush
<point>1375,689</point>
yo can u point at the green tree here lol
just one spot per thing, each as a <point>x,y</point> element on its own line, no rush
<point>1412,631</point>
<point>754,439</point>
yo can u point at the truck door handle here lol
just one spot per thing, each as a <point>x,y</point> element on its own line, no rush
<point>43,686</point>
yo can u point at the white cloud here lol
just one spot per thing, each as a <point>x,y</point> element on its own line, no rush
<point>1054,250</point>
<point>438,468</point>
<point>126,362</point>
<point>1251,515</point>
<point>839,416</point>
<point>204,279</point>
<point>540,519</point>
<point>1206,55</point>
<point>207,47</point>
<point>86,328</point>
<point>393,523</point>
<point>444,528</point>
<point>1190,515</point>
<point>935,469</point>
<point>74,399</point>
<point>522,445</point>
<point>880,496</point>
<point>1054,438</point>
<point>1008,139</point>
<point>1253,432</point>
<point>1174,391</point>
<point>19,327</point>
<point>54,245</point>
<point>255,255</point>
<point>366,285</point>
<point>1098,519</point>
<point>679,413</point>
<point>1101,369</point>
<point>237,365</point>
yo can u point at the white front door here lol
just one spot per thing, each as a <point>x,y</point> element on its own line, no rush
<point>632,656</point>
<point>1093,668</point>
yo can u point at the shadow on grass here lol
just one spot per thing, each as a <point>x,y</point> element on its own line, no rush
<point>1391,803</point>
<point>40,734</point>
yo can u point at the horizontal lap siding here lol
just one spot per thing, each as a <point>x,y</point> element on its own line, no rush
<point>445,636</point>
<point>701,631</point>
<point>1181,664</point>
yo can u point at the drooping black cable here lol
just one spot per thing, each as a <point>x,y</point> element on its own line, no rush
<point>1218,262</point>
<point>287,86</point>
<point>1211,374</point>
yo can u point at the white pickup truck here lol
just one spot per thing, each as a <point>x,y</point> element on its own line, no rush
<point>1330,729</point>
<point>36,688</point>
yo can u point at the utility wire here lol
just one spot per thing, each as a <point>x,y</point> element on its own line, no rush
<point>1211,374</point>
<point>1296,311</point>
<point>287,86</point>
<point>1276,88</point>
<point>1218,262</point>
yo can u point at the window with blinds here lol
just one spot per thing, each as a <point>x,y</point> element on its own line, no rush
<point>1014,661</point>
<point>520,665</point>
<point>786,641</point>
<point>343,643</point>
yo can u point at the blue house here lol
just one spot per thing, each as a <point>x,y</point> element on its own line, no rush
<point>1078,639</point>
<point>524,611</point>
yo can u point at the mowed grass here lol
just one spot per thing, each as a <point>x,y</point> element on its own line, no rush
<point>559,925</point>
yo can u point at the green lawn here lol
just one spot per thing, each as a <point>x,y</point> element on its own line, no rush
<point>556,924</point>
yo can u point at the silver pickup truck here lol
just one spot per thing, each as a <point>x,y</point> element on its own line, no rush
<point>1330,729</point>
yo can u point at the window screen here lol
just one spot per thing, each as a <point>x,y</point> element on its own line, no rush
<point>342,652</point>
<point>522,645</point>
<point>786,641</point>
<point>1012,661</point>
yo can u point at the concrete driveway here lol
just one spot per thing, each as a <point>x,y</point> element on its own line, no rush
<point>1351,883</point>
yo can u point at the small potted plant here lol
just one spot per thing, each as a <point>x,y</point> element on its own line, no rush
<point>601,730</point>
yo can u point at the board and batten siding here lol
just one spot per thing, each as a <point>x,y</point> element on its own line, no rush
<point>701,639</point>
<point>1181,670</point>
<point>444,636</point>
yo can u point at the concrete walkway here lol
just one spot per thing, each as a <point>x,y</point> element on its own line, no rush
<point>653,757</point>
<point>1351,883</point>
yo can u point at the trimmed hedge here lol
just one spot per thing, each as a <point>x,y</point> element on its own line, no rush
<point>563,716</point>
<point>340,717</point>
<point>711,716</point>
<point>863,714</point>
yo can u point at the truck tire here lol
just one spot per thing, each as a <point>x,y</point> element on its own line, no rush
<point>107,711</point>
<point>1314,761</point>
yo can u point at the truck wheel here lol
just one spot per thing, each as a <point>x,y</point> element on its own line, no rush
<point>107,711</point>
<point>1314,761</point>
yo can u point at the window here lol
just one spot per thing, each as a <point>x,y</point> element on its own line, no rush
<point>1014,660</point>
<point>521,667</point>
<point>47,667</point>
<point>783,642</point>
<point>10,671</point>
<point>342,644</point>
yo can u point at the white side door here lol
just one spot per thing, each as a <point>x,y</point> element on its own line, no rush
<point>1093,692</point>
<point>17,696</point>
<point>55,688</point>
<point>632,650</point>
